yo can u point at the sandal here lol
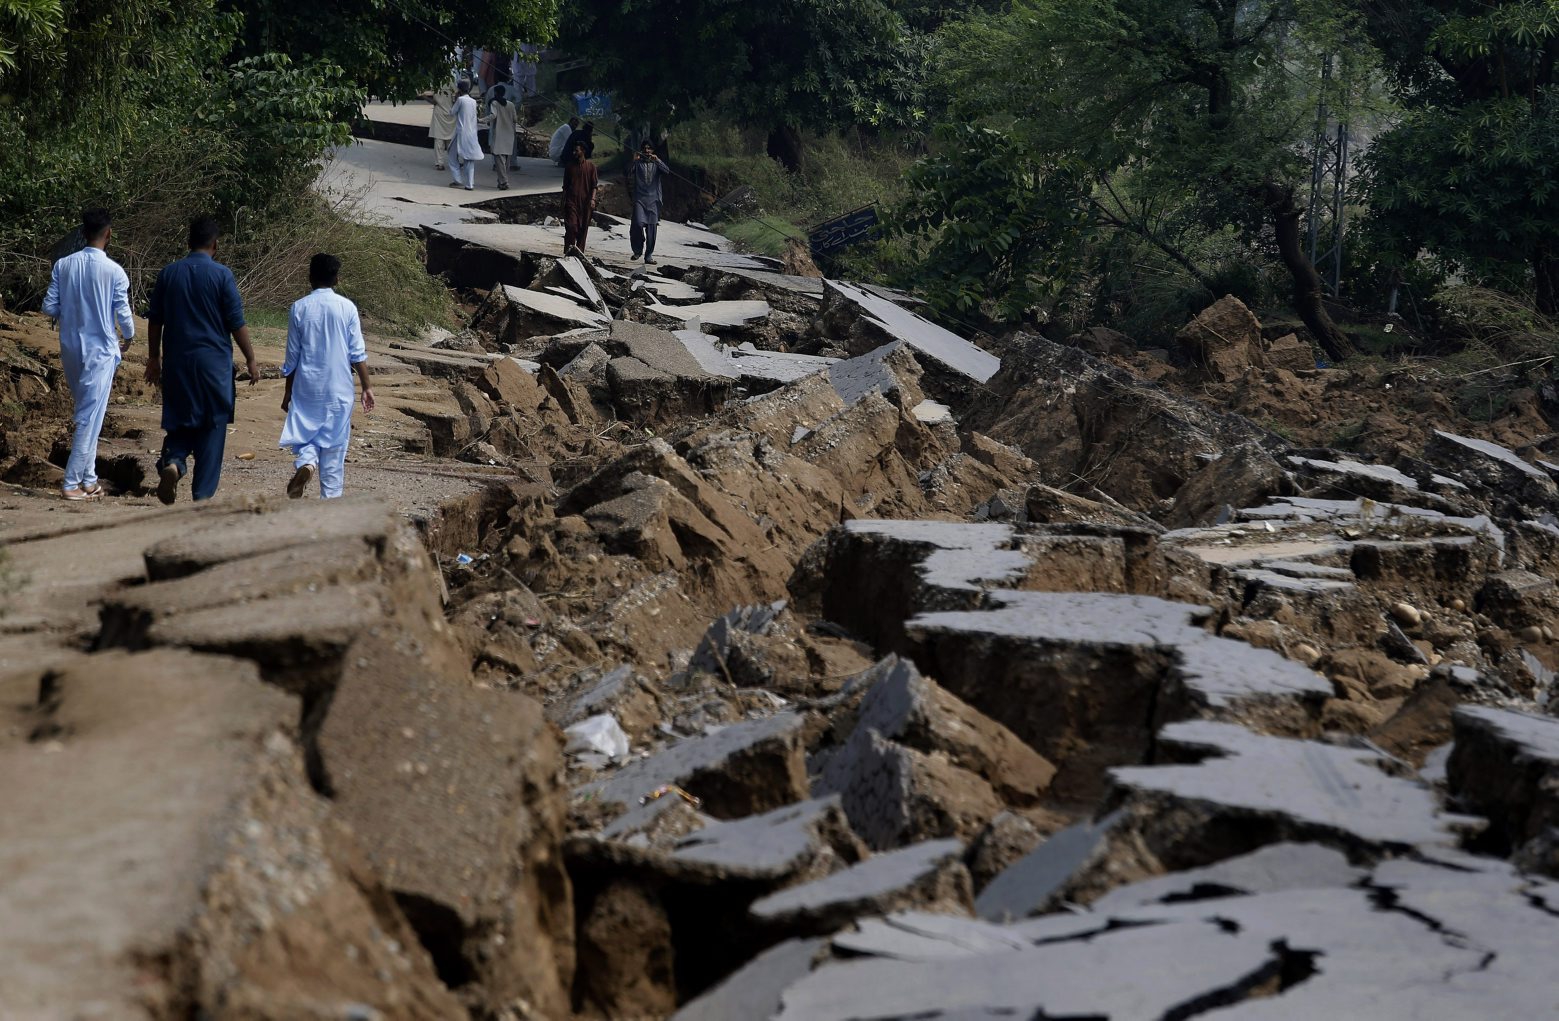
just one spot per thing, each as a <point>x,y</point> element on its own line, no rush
<point>82,495</point>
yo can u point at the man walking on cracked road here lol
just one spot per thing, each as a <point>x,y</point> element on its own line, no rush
<point>500,136</point>
<point>441,124</point>
<point>644,175</point>
<point>580,181</point>
<point>324,347</point>
<point>89,294</point>
<point>195,309</point>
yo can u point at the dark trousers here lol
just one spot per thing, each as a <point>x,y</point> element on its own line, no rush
<point>642,238</point>
<point>206,445</point>
<point>575,230</point>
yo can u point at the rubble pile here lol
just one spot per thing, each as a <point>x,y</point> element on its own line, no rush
<point>799,658</point>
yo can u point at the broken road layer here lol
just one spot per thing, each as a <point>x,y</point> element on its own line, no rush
<point>919,721</point>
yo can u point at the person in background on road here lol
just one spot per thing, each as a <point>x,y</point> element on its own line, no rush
<point>500,121</point>
<point>441,125</point>
<point>324,347</point>
<point>195,308</point>
<point>464,150</point>
<point>584,136</point>
<point>560,137</point>
<point>89,295</point>
<point>644,175</point>
<point>579,184</point>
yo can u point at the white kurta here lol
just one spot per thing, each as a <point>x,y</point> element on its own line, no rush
<point>559,140</point>
<point>89,294</point>
<point>500,132</point>
<point>465,145</point>
<point>441,125</point>
<point>324,341</point>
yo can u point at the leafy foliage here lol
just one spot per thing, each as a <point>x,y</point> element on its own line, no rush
<point>27,23</point>
<point>787,63</point>
<point>1469,173</point>
<point>391,48</point>
<point>997,222</point>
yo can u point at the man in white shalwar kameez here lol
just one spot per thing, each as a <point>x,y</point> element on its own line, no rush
<point>465,153</point>
<point>324,347</point>
<point>89,294</point>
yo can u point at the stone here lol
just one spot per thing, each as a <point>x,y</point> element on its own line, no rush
<point>807,840</point>
<point>1005,839</point>
<point>1291,353</point>
<point>1406,614</point>
<point>1244,476</point>
<point>506,382</point>
<point>926,876</point>
<point>1224,341</point>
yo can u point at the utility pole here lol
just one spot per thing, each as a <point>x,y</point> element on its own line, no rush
<point>1328,188</point>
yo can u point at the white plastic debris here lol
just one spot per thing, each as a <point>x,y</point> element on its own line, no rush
<point>600,734</point>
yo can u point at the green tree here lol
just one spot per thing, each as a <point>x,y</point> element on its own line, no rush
<point>1471,174</point>
<point>27,23</point>
<point>392,48</point>
<point>1204,106</point>
<point>779,65</point>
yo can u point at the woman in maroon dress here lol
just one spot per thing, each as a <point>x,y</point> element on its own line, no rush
<point>579,184</point>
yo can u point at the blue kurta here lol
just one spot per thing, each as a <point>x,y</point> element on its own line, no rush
<point>196,300</point>
<point>465,145</point>
<point>324,341</point>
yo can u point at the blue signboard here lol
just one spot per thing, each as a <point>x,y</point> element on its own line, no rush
<point>843,231</point>
<point>591,105</point>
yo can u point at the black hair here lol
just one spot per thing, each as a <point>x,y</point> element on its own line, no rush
<point>324,270</point>
<point>589,127</point>
<point>463,87</point>
<point>573,122</point>
<point>94,222</point>
<point>203,231</point>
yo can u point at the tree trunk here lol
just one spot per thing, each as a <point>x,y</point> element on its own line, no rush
<point>785,146</point>
<point>1308,292</point>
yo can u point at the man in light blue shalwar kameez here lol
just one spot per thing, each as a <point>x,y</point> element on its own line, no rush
<point>90,295</point>
<point>324,347</point>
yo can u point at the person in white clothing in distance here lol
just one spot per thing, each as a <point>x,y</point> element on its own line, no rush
<point>465,152</point>
<point>89,294</point>
<point>324,348</point>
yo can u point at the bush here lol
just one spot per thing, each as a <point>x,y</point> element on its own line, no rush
<point>381,267</point>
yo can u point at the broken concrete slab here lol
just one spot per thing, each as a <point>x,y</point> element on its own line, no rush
<point>165,855</point>
<point>1032,884</point>
<point>1298,789</point>
<point>456,793</point>
<point>1068,979</point>
<point>714,313</point>
<point>809,839</point>
<point>754,990</point>
<point>930,875</point>
<point>1267,870</point>
<point>288,524</point>
<point>738,770</point>
<point>1102,657</point>
<point>1505,764</point>
<point>895,323</point>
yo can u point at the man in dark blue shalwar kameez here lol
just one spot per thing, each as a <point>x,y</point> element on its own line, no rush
<point>195,309</point>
